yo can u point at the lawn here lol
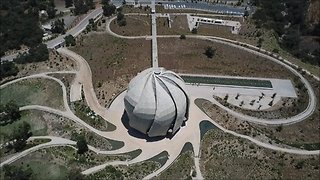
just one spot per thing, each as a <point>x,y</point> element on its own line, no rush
<point>33,92</point>
<point>34,118</point>
<point>187,56</point>
<point>227,81</point>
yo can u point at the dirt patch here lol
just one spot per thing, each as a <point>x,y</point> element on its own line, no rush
<point>136,26</point>
<point>179,25</point>
<point>113,61</point>
<point>187,56</point>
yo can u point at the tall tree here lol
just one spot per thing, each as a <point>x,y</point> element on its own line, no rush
<point>82,145</point>
<point>58,26</point>
<point>90,4</point>
<point>8,68</point>
<point>68,3</point>
<point>20,135</point>
<point>9,113</point>
<point>80,7</point>
<point>108,9</point>
<point>210,52</point>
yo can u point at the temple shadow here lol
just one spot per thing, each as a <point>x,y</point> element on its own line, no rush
<point>136,133</point>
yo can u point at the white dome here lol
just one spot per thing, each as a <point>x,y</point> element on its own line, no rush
<point>156,101</point>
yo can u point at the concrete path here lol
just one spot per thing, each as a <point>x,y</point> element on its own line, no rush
<point>154,35</point>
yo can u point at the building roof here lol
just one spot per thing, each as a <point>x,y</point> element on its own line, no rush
<point>156,101</point>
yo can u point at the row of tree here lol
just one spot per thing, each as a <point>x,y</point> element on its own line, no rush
<point>36,54</point>
<point>8,69</point>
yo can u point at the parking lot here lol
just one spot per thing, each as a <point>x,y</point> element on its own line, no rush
<point>215,8</point>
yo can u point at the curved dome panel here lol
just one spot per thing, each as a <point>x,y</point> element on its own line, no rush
<point>156,102</point>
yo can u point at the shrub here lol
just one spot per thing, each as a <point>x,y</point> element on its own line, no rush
<point>182,36</point>
<point>194,31</point>
<point>210,52</point>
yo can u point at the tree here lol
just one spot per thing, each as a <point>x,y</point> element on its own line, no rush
<point>82,145</point>
<point>35,54</point>
<point>51,12</point>
<point>279,128</point>
<point>226,97</point>
<point>58,26</point>
<point>20,136</point>
<point>108,9</point>
<point>246,13</point>
<point>8,68</point>
<point>210,52</point>
<point>80,7</point>
<point>70,40</point>
<point>182,36</point>
<point>90,4</point>
<point>121,20</point>
<point>9,113</point>
<point>68,3</point>
<point>194,31</point>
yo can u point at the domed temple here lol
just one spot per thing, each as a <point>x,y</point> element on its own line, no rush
<point>156,102</point>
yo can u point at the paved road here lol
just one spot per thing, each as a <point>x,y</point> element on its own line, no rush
<point>154,35</point>
<point>75,31</point>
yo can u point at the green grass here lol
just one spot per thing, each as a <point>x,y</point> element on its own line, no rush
<point>227,81</point>
<point>47,170</point>
<point>34,118</point>
<point>33,92</point>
